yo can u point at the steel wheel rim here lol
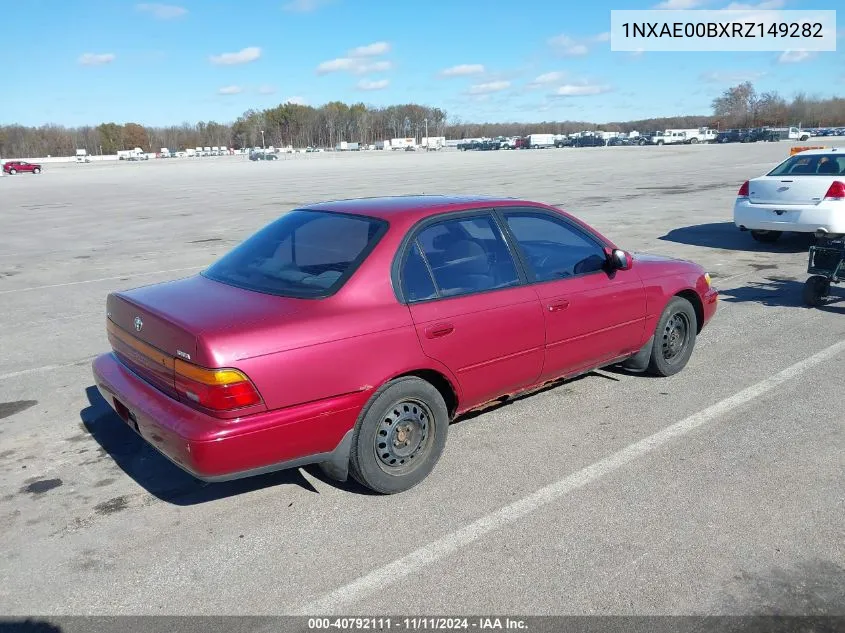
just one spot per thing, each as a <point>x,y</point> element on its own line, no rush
<point>403,436</point>
<point>675,337</point>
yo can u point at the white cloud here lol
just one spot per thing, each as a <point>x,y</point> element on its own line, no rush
<point>374,67</point>
<point>602,37</point>
<point>679,4</point>
<point>230,90</point>
<point>765,4</point>
<point>358,61</point>
<point>370,50</point>
<point>547,78</point>
<point>581,90</point>
<point>296,100</point>
<point>730,76</point>
<point>305,6</point>
<point>795,57</point>
<point>568,46</point>
<point>96,59</point>
<point>488,87</point>
<point>335,65</point>
<point>367,84</point>
<point>462,70</point>
<point>162,11</point>
<point>266,90</point>
<point>243,56</point>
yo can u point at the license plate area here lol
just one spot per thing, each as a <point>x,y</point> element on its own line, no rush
<point>126,415</point>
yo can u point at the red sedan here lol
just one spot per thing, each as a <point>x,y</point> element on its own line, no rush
<point>19,166</point>
<point>349,334</point>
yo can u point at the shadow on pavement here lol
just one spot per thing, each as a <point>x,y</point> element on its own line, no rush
<point>774,292</point>
<point>726,236</point>
<point>166,481</point>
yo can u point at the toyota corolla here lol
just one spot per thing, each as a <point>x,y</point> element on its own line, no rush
<point>349,334</point>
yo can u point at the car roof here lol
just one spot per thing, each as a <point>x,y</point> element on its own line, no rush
<point>418,206</point>
<point>826,150</point>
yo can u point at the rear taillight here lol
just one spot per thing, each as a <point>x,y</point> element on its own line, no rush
<point>743,190</point>
<point>836,191</point>
<point>216,389</point>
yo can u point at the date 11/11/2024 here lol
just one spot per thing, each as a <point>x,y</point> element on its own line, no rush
<point>416,624</point>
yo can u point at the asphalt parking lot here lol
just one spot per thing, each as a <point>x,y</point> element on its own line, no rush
<point>718,491</point>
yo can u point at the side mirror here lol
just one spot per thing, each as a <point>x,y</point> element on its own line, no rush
<point>621,260</point>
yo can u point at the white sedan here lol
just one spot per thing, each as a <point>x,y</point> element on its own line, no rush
<point>804,194</point>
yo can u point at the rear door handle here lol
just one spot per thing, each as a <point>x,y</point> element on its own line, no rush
<point>557,306</point>
<point>441,329</point>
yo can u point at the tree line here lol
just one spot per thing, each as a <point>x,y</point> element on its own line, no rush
<point>325,126</point>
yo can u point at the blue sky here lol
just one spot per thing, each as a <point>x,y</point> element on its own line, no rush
<point>84,62</point>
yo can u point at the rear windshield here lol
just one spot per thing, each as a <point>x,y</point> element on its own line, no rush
<point>811,165</point>
<point>304,253</point>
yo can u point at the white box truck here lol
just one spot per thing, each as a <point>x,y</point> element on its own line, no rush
<point>541,141</point>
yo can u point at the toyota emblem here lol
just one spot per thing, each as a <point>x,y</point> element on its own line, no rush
<point>138,324</point>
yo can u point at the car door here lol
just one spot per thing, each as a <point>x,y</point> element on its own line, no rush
<point>471,307</point>
<point>592,316</point>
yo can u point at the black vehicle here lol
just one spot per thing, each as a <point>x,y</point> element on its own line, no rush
<point>760,134</point>
<point>619,142</point>
<point>563,142</point>
<point>263,156</point>
<point>588,141</point>
<point>730,136</point>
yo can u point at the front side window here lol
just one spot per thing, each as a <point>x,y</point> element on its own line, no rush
<point>307,254</point>
<point>467,255</point>
<point>554,248</point>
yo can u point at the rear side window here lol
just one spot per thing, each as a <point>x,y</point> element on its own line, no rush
<point>467,255</point>
<point>811,165</point>
<point>302,254</point>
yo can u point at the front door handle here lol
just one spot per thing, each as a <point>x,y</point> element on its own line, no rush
<point>441,329</point>
<point>557,306</point>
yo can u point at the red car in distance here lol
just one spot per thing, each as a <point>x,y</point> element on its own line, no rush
<point>349,334</point>
<point>19,167</point>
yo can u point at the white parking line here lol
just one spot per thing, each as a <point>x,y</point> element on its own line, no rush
<point>381,577</point>
<point>91,281</point>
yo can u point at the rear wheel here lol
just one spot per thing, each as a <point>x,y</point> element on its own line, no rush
<point>674,338</point>
<point>766,237</point>
<point>399,436</point>
<point>693,141</point>
<point>816,288</point>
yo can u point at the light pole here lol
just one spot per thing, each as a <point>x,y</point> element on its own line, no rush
<point>262,139</point>
<point>427,140</point>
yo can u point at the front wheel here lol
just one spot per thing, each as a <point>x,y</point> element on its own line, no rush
<point>816,288</point>
<point>399,436</point>
<point>12,172</point>
<point>674,338</point>
<point>766,237</point>
<point>36,170</point>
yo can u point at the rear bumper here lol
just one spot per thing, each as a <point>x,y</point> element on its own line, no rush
<point>796,218</point>
<point>212,449</point>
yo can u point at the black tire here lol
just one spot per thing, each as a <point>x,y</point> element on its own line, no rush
<point>660,142</point>
<point>816,289</point>
<point>674,338</point>
<point>766,237</point>
<point>407,409</point>
<point>12,172</point>
<point>37,170</point>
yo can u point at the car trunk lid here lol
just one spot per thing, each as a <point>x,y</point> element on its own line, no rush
<point>788,190</point>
